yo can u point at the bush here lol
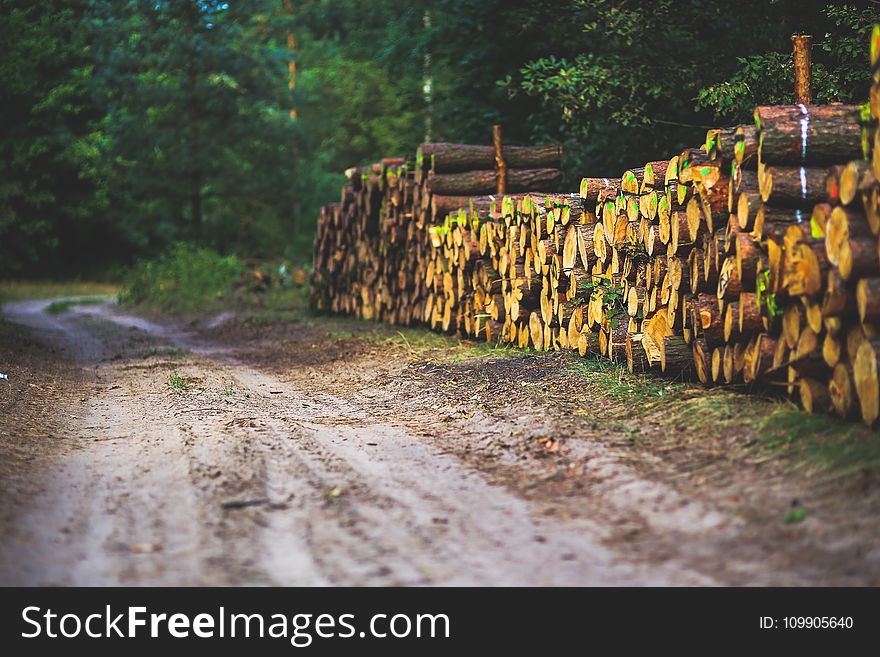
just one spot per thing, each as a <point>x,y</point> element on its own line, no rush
<point>184,280</point>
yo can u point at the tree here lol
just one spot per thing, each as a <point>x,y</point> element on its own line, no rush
<point>358,94</point>
<point>52,190</point>
<point>649,78</point>
<point>197,117</point>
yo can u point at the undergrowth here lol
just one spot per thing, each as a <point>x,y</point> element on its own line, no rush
<point>184,280</point>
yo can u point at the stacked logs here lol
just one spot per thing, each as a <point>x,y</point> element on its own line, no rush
<point>851,345</point>
<point>752,259</point>
<point>389,250</point>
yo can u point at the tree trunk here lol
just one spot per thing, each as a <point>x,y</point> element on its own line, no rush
<point>196,203</point>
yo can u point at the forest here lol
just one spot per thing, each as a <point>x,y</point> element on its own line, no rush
<point>132,126</point>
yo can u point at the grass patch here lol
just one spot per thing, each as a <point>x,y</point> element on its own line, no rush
<point>817,443</point>
<point>176,382</point>
<point>169,353</point>
<point>824,441</point>
<point>423,343</point>
<point>615,381</point>
<point>24,290</point>
<point>62,307</point>
<point>286,304</point>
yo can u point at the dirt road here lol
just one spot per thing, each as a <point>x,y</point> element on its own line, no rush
<point>141,453</point>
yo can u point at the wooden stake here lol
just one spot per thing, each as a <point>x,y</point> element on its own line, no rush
<point>802,46</point>
<point>500,165</point>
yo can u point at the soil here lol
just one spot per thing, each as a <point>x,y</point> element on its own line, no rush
<point>239,453</point>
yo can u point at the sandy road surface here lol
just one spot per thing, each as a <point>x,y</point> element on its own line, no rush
<point>248,476</point>
<point>266,484</point>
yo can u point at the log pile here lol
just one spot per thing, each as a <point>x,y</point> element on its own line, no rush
<point>403,242</point>
<point>752,259</point>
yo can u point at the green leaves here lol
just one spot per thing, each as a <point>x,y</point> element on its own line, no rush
<point>767,299</point>
<point>52,191</point>
<point>794,516</point>
<point>655,67</point>
<point>611,296</point>
<point>765,79</point>
<point>637,251</point>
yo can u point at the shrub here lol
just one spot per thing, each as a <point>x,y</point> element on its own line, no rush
<point>184,280</point>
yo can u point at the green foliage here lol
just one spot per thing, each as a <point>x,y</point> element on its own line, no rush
<point>51,191</point>
<point>794,516</point>
<point>637,252</point>
<point>176,382</point>
<point>766,299</point>
<point>734,99</point>
<point>129,125</point>
<point>184,280</point>
<point>358,96</point>
<point>611,296</point>
<point>62,307</point>
<point>199,139</point>
<point>845,44</point>
<point>648,78</point>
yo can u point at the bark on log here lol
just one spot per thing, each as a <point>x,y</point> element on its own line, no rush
<point>636,358</point>
<point>456,158</point>
<point>858,258</point>
<point>809,134</point>
<point>591,187</point>
<point>868,300</point>
<point>802,59</point>
<point>500,162</point>
<point>484,182</point>
<point>796,187</point>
